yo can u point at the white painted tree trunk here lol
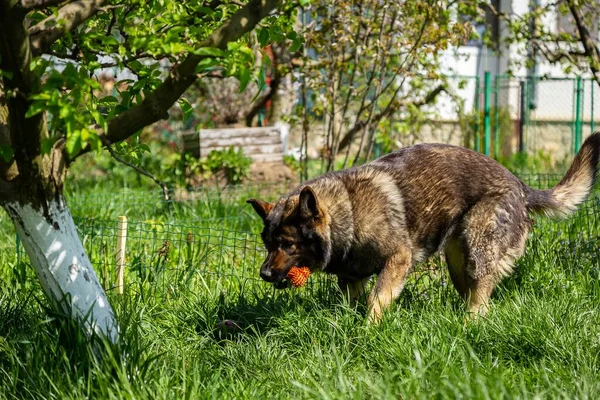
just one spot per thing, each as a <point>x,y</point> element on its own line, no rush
<point>62,266</point>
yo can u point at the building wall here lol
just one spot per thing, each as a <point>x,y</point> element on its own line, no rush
<point>554,100</point>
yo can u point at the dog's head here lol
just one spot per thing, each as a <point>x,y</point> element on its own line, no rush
<point>295,233</point>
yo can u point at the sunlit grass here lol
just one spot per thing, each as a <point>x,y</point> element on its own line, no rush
<point>540,339</point>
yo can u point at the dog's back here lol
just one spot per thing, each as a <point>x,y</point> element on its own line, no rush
<point>439,184</point>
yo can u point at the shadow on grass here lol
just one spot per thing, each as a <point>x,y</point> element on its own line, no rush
<point>256,313</point>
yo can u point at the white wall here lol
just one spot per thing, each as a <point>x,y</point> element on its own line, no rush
<point>555,98</point>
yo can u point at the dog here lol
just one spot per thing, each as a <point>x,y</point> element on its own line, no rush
<point>385,216</point>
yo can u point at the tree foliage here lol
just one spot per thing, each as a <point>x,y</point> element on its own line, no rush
<point>53,108</point>
<point>164,46</point>
<point>537,34</point>
<point>368,61</point>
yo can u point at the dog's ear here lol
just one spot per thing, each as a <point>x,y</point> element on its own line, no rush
<point>262,208</point>
<point>309,204</point>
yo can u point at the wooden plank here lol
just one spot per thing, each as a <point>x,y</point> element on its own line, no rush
<point>267,157</point>
<point>262,144</point>
<point>231,132</point>
<point>241,132</point>
<point>242,141</point>
<point>248,150</point>
<point>120,257</point>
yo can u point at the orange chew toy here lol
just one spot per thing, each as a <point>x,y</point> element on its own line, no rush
<point>298,276</point>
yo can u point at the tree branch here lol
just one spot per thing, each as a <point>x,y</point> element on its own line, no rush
<point>431,96</point>
<point>156,105</point>
<point>38,4</point>
<point>142,171</point>
<point>273,87</point>
<point>554,56</point>
<point>591,50</point>
<point>69,16</point>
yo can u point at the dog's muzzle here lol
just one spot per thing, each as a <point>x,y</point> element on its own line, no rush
<point>266,273</point>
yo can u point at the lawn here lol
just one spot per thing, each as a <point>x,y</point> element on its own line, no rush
<point>193,265</point>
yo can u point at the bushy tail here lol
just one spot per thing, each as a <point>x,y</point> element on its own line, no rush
<point>562,200</point>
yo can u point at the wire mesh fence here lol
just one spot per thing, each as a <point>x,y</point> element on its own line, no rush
<point>501,115</point>
<point>534,114</point>
<point>169,259</point>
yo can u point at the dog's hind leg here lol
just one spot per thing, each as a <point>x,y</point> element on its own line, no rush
<point>476,291</point>
<point>493,237</point>
<point>389,284</point>
<point>456,259</point>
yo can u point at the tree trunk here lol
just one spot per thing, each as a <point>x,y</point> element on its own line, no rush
<point>57,255</point>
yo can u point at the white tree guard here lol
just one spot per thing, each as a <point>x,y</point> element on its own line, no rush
<point>62,266</point>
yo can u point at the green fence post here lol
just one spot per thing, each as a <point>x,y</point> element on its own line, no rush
<point>592,83</point>
<point>477,116</point>
<point>496,118</point>
<point>522,114</point>
<point>573,118</point>
<point>486,114</point>
<point>578,125</point>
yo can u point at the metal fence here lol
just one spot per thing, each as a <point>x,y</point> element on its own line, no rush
<point>173,258</point>
<point>533,114</point>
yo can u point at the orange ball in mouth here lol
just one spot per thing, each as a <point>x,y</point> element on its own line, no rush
<point>298,276</point>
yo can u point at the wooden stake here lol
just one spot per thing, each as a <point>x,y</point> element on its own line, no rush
<point>120,256</point>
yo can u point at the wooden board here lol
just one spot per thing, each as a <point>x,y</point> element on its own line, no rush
<point>261,144</point>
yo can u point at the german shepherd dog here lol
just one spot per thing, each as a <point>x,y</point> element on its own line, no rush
<point>385,216</point>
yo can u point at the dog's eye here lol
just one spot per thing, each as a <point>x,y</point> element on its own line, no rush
<point>287,245</point>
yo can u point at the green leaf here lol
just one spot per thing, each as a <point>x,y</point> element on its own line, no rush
<point>205,10</point>
<point>46,145</point>
<point>6,74</point>
<point>186,107</point>
<point>35,108</point>
<point>206,63</point>
<point>6,152</point>
<point>95,141</point>
<point>231,46</point>
<point>144,147</point>
<point>109,101</point>
<point>65,111</point>
<point>244,77</point>
<point>296,41</point>
<point>209,52</point>
<point>263,37</point>
<point>73,144</point>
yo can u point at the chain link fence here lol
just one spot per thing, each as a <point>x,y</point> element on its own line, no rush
<point>501,115</point>
<point>547,117</point>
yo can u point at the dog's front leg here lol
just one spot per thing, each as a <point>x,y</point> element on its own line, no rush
<point>389,284</point>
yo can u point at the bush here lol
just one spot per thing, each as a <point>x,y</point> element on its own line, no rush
<point>233,163</point>
<point>220,166</point>
<point>470,125</point>
<point>540,161</point>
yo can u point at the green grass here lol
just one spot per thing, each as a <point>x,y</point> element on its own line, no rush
<point>541,338</point>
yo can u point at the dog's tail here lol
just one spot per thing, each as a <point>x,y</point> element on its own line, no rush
<point>562,200</point>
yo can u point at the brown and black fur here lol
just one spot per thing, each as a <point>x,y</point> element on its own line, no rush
<point>383,217</point>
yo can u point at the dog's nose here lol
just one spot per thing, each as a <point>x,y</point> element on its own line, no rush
<point>265,273</point>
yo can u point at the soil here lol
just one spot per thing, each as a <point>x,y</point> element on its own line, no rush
<point>272,173</point>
